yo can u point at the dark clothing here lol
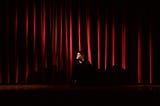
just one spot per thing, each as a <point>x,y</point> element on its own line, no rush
<point>83,73</point>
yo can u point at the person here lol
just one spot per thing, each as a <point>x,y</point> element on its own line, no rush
<point>82,70</point>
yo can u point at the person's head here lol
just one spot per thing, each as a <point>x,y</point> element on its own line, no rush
<point>80,55</point>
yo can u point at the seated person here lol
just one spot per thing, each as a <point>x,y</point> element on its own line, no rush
<point>82,70</point>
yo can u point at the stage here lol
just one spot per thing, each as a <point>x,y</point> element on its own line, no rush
<point>71,87</point>
<point>66,94</point>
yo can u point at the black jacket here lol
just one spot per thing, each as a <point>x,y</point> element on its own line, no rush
<point>83,73</point>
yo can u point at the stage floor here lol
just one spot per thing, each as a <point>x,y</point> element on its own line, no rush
<point>70,87</point>
<point>66,94</point>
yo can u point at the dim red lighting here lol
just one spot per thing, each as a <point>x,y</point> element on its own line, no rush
<point>88,37</point>
<point>99,50</point>
<point>56,51</point>
<point>123,46</point>
<point>43,39</point>
<point>106,45</point>
<point>7,41</point>
<point>50,20</point>
<point>79,30</point>
<point>34,39</point>
<point>27,27</point>
<point>61,42</point>
<point>16,57</point>
<point>113,44</point>
<point>66,33</point>
<point>139,57</point>
<point>27,70</point>
<point>27,64</point>
<point>52,34</point>
<point>70,42</point>
<point>53,51</point>
<point>17,71</point>
<point>150,57</point>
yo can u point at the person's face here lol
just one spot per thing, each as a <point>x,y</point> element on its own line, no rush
<point>79,56</point>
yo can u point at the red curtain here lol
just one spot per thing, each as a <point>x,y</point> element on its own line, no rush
<point>42,35</point>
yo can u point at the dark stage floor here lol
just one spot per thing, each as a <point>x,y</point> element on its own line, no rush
<point>78,95</point>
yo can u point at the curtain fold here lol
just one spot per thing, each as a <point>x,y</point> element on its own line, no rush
<point>38,37</point>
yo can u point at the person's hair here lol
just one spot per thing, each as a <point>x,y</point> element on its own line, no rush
<point>82,53</point>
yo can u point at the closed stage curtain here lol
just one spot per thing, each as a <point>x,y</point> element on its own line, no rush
<point>40,36</point>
